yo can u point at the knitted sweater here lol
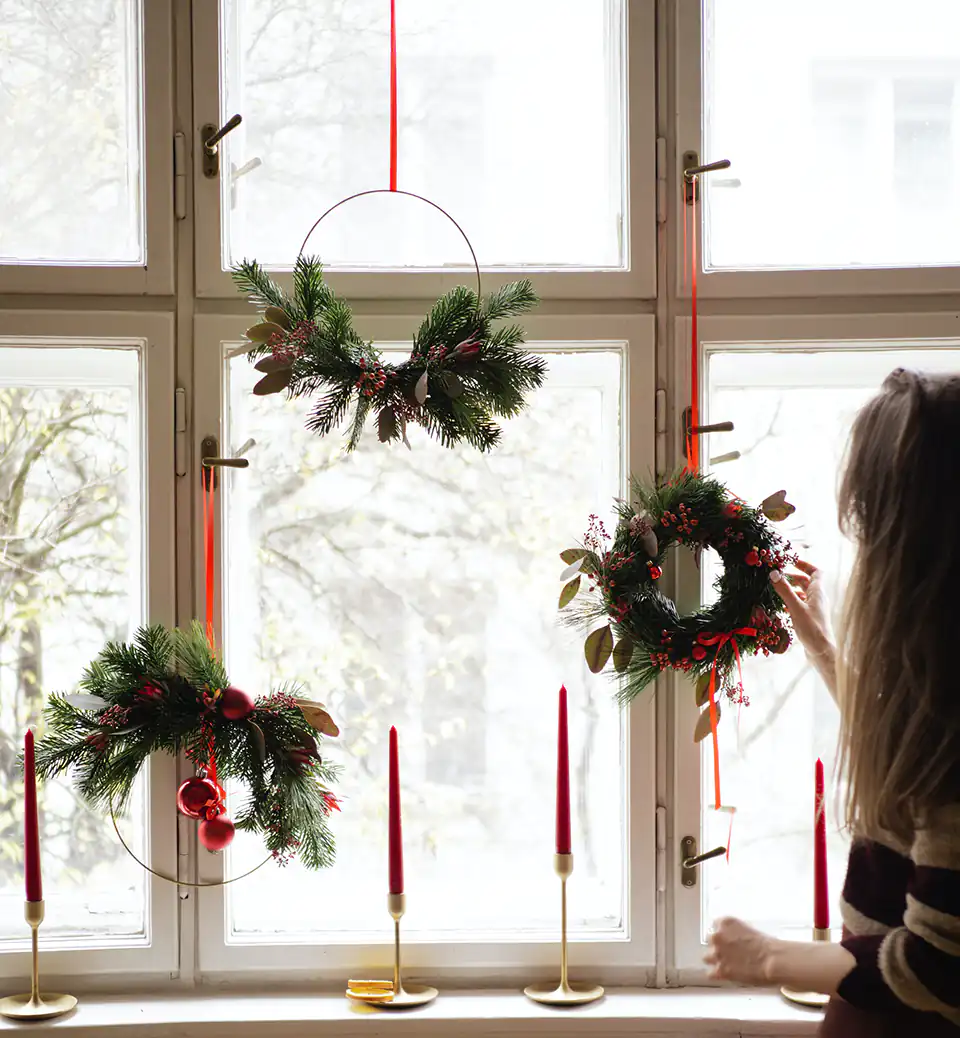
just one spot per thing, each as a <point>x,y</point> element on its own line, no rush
<point>901,913</point>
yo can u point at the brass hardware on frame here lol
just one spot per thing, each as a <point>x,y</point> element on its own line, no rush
<point>692,169</point>
<point>689,859</point>
<point>210,462</point>
<point>699,430</point>
<point>210,137</point>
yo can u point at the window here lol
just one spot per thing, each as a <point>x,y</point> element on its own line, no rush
<point>85,526</point>
<point>419,588</point>
<point>840,123</point>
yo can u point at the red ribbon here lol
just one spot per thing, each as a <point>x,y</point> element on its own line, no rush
<point>692,439</point>
<point>719,640</point>
<point>209,522</point>
<point>393,95</point>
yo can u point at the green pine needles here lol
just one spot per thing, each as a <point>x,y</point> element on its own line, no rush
<point>466,368</point>
<point>167,692</point>
<point>615,581</point>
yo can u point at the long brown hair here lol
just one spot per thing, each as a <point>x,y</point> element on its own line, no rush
<point>899,675</point>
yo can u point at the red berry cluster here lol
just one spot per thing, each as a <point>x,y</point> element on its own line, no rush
<point>682,519</point>
<point>291,346</point>
<point>596,536</point>
<point>371,379</point>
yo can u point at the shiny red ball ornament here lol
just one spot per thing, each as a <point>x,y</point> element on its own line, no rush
<point>235,704</point>
<point>655,571</point>
<point>217,832</point>
<point>195,795</point>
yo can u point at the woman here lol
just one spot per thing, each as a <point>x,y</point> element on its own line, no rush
<point>897,682</point>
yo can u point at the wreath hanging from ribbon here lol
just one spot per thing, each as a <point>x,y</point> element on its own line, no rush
<point>464,370</point>
<point>167,691</point>
<point>616,579</point>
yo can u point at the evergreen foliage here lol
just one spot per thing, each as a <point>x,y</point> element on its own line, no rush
<point>160,694</point>
<point>476,370</point>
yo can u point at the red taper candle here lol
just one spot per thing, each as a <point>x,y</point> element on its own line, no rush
<point>563,778</point>
<point>821,899</point>
<point>31,825</point>
<point>395,828</point>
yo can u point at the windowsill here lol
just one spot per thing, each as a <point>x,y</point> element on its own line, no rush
<point>698,1013</point>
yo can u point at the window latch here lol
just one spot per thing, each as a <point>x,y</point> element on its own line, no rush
<point>210,137</point>
<point>693,169</point>
<point>210,460</point>
<point>689,859</point>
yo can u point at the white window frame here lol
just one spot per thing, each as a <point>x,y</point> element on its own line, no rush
<point>637,281</point>
<point>152,335</point>
<point>686,27</point>
<point>155,277</point>
<point>621,960</point>
<point>746,332</point>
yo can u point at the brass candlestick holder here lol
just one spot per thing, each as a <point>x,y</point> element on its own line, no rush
<point>563,994</point>
<point>811,999</point>
<point>383,993</point>
<point>35,1006</point>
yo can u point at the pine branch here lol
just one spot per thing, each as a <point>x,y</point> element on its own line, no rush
<point>263,291</point>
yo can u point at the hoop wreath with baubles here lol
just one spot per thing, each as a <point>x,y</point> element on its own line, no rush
<point>617,580</point>
<point>167,691</point>
<point>463,372</point>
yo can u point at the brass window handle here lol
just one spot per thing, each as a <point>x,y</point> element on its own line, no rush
<point>210,137</point>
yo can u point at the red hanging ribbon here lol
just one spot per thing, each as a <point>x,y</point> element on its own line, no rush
<point>209,522</point>
<point>393,95</point>
<point>719,640</point>
<point>692,440</point>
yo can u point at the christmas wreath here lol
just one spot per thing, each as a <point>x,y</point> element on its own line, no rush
<point>462,371</point>
<point>644,634</point>
<point>167,691</point>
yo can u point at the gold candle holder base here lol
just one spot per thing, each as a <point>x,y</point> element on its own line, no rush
<point>386,995</point>
<point>564,993</point>
<point>36,1005</point>
<point>810,999</point>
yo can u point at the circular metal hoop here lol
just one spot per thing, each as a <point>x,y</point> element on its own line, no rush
<point>408,194</point>
<point>173,879</point>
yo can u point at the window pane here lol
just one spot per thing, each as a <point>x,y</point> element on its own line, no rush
<point>70,101</point>
<point>841,121</point>
<point>510,117</point>
<point>793,412</point>
<point>419,589</point>
<point>70,579</point>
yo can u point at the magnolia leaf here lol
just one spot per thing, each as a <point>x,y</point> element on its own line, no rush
<point>452,384</point>
<point>572,570</point>
<point>776,507</point>
<point>420,390</point>
<point>597,648</point>
<point>269,364</point>
<point>622,655</point>
<point>387,427</point>
<point>570,555</point>
<point>258,740</point>
<point>274,315</point>
<point>83,701</point>
<point>315,714</point>
<point>403,433</point>
<point>569,592</point>
<point>703,689</point>
<point>702,729</point>
<point>275,382</point>
<point>697,553</point>
<point>264,332</point>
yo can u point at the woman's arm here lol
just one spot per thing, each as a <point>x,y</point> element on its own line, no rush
<point>807,609</point>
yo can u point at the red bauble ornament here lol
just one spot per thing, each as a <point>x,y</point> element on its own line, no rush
<point>195,795</point>
<point>235,704</point>
<point>217,832</point>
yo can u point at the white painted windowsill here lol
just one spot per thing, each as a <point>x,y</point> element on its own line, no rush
<point>691,1012</point>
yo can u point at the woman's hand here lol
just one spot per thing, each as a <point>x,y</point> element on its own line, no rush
<point>739,953</point>
<point>807,608</point>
